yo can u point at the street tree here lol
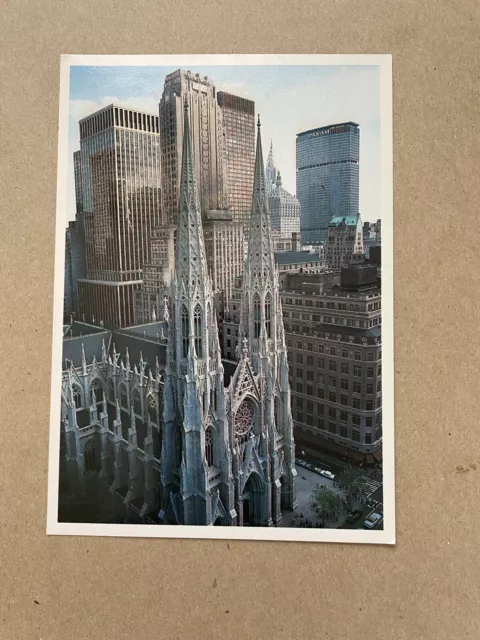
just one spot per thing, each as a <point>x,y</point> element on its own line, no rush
<point>325,502</point>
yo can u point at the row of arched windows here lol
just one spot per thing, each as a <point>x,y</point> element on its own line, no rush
<point>98,389</point>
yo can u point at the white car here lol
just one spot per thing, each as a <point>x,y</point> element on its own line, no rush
<point>372,520</point>
<point>326,474</point>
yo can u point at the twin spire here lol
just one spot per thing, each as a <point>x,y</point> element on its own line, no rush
<point>191,264</point>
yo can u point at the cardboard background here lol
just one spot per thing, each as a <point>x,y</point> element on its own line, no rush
<point>428,585</point>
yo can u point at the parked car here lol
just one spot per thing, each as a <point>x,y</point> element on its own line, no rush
<point>372,520</point>
<point>326,474</point>
<point>355,515</point>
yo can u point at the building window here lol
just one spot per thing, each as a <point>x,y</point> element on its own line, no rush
<point>369,389</point>
<point>332,396</point>
<point>344,368</point>
<point>357,355</point>
<point>299,403</point>
<point>320,409</point>
<point>185,331</point>
<point>300,358</point>
<point>343,416</point>
<point>310,375</point>
<point>256,315</point>
<point>321,363</point>
<point>379,370</point>
<point>368,438</point>
<point>289,343</point>
<point>209,446</point>
<point>344,353</point>
<point>369,372</point>
<point>309,406</point>
<point>344,384</point>
<point>320,423</point>
<point>197,329</point>
<point>310,361</point>
<point>332,427</point>
<point>299,345</point>
<point>379,387</point>
<point>368,422</point>
<point>299,416</point>
<point>332,413</point>
<point>357,387</point>
<point>309,390</point>
<point>344,400</point>
<point>299,373</point>
<point>356,403</point>
<point>355,435</point>
<point>332,366</point>
<point>333,351</point>
<point>332,382</point>
<point>343,432</point>
<point>320,378</point>
<point>310,348</point>
<point>77,396</point>
<point>357,370</point>
<point>299,387</point>
<point>356,420</point>
<point>370,356</point>
<point>268,315</point>
<point>320,393</point>
<point>321,348</point>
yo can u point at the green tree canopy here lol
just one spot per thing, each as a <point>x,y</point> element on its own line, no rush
<point>325,502</point>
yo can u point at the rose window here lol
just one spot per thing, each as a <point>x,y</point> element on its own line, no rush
<point>244,419</point>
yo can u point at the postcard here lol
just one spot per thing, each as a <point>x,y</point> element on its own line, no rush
<point>222,362</point>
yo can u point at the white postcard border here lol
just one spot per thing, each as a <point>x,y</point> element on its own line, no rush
<point>387,535</point>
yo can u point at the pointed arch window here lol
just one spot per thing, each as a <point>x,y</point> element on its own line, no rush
<point>137,403</point>
<point>97,388</point>
<point>209,445</point>
<point>268,312</point>
<point>197,330</point>
<point>185,332</point>
<point>256,316</point>
<point>77,396</point>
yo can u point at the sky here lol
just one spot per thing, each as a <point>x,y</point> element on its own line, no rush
<point>289,99</point>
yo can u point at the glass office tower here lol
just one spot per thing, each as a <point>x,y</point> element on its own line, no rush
<point>327,177</point>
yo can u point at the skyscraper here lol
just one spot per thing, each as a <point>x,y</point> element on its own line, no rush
<point>208,141</point>
<point>270,171</point>
<point>228,452</point>
<point>222,130</point>
<point>327,177</point>
<point>118,168</point>
<point>284,210</point>
<point>239,129</point>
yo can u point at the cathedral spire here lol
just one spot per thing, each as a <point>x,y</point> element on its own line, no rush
<point>191,264</point>
<point>260,285</point>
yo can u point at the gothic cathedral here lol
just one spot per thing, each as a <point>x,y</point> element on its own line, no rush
<point>227,453</point>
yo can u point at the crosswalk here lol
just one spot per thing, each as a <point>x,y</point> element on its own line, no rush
<point>367,485</point>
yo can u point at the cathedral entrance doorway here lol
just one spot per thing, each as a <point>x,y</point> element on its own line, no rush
<point>251,501</point>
